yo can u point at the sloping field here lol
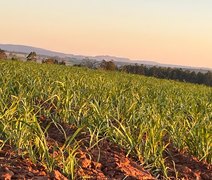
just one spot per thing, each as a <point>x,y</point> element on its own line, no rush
<point>68,122</point>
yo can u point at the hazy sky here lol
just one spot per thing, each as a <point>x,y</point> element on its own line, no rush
<point>166,31</point>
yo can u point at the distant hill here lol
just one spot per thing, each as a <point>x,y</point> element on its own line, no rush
<point>28,49</point>
<point>78,58</point>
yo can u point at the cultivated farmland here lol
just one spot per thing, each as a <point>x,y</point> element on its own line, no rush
<point>103,125</point>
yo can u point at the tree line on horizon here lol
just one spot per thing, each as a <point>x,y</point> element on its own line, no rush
<point>170,73</point>
<point>155,71</point>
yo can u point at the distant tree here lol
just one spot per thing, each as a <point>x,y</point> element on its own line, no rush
<point>14,58</point>
<point>208,78</point>
<point>32,56</point>
<point>56,61</point>
<point>53,61</point>
<point>3,54</point>
<point>108,65</point>
<point>62,62</point>
<point>200,78</point>
<point>89,63</point>
<point>192,77</point>
<point>50,61</point>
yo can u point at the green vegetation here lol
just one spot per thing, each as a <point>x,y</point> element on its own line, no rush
<point>170,73</point>
<point>143,115</point>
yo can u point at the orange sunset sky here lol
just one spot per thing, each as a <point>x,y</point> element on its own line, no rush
<point>166,31</point>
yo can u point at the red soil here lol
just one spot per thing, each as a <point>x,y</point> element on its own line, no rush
<point>187,166</point>
<point>104,161</point>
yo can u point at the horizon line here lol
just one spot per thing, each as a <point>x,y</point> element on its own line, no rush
<point>93,56</point>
